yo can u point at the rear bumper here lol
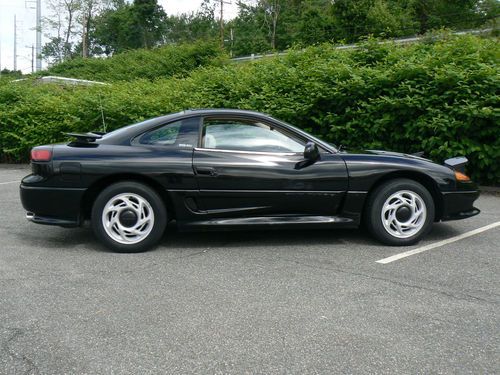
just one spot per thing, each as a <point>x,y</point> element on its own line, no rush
<point>52,206</point>
<point>459,205</point>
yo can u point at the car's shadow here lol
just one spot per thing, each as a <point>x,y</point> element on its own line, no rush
<point>263,238</point>
<point>441,231</point>
<point>78,238</point>
<point>75,238</point>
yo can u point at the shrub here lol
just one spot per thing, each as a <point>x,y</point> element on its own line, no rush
<point>165,61</point>
<point>441,98</point>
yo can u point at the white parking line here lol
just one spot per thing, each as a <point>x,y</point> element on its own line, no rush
<point>9,182</point>
<point>438,244</point>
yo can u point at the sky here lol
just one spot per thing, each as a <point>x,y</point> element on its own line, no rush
<point>25,17</point>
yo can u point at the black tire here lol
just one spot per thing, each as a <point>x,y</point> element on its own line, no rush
<point>375,204</point>
<point>153,233</point>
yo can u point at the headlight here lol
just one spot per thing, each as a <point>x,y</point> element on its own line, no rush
<point>461,177</point>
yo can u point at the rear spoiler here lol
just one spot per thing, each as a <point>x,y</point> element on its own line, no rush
<point>85,137</point>
<point>457,163</point>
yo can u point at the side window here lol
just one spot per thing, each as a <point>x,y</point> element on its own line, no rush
<point>179,134</point>
<point>240,135</point>
<point>165,135</point>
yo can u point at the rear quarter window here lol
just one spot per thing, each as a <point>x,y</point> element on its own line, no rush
<point>178,134</point>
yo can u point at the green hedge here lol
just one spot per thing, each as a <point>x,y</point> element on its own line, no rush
<point>165,61</point>
<point>439,97</point>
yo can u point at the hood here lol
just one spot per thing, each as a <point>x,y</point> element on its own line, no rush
<point>416,156</point>
<point>398,154</point>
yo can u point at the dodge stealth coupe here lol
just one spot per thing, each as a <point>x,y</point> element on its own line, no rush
<point>233,169</point>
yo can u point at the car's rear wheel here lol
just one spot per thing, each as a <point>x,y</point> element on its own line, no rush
<point>400,212</point>
<point>129,217</point>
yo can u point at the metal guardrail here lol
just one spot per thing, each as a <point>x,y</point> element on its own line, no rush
<point>406,40</point>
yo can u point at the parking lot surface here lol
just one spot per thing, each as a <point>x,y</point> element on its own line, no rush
<point>274,302</point>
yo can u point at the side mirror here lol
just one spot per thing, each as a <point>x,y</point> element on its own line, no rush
<point>311,151</point>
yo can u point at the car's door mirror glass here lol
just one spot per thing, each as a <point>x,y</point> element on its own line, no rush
<point>311,151</point>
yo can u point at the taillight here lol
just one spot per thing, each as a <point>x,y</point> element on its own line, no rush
<point>41,155</point>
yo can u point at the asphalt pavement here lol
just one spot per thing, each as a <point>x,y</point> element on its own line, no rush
<point>266,302</point>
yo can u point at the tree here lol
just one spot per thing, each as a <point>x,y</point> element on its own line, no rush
<point>315,24</point>
<point>200,25</point>
<point>88,9</point>
<point>272,11</point>
<point>445,13</point>
<point>150,21</point>
<point>391,19</point>
<point>69,26</point>
<point>142,24</point>
<point>62,22</point>
<point>115,30</point>
<point>250,32</point>
<point>96,27</point>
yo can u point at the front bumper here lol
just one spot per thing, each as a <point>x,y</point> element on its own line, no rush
<point>459,205</point>
<point>52,206</point>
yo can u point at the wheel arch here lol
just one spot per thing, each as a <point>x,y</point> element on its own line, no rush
<point>98,186</point>
<point>428,182</point>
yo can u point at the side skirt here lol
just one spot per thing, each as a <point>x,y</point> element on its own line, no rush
<point>267,222</point>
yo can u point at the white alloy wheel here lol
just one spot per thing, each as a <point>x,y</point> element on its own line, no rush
<point>404,214</point>
<point>128,218</point>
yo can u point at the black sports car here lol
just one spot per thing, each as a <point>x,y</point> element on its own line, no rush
<point>225,169</point>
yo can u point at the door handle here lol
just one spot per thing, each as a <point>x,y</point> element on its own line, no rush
<point>206,171</point>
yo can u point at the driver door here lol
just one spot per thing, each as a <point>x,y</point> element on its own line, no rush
<point>246,167</point>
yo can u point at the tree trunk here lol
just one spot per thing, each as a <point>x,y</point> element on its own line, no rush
<point>275,15</point>
<point>85,33</point>
<point>84,38</point>
<point>70,25</point>
<point>273,36</point>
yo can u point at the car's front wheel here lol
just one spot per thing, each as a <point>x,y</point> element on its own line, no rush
<point>400,212</point>
<point>129,217</point>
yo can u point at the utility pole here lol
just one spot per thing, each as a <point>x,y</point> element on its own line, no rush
<point>32,58</point>
<point>38,35</point>
<point>15,43</point>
